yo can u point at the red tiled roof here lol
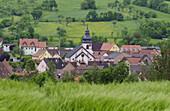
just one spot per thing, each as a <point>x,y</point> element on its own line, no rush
<point>29,42</point>
<point>107,46</point>
<point>131,48</point>
<point>148,52</point>
<point>40,52</point>
<point>5,69</point>
<point>133,60</point>
<point>98,54</point>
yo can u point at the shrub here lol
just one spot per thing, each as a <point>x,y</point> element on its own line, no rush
<point>132,78</point>
<point>67,77</point>
<point>82,79</point>
<point>14,77</point>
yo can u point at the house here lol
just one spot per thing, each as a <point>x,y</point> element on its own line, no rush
<point>131,60</point>
<point>18,70</point>
<point>31,46</point>
<point>109,47</point>
<point>81,69</point>
<point>116,57</point>
<point>130,49</point>
<point>153,51</point>
<point>150,56</point>
<point>99,55</point>
<point>42,67</point>
<point>1,42</point>
<point>83,53</point>
<point>70,67</point>
<point>8,47</point>
<point>41,54</point>
<point>152,48</point>
<point>58,53</point>
<point>5,69</point>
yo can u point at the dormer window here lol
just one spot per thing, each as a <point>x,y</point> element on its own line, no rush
<point>126,49</point>
<point>135,49</point>
<point>130,49</point>
<point>24,44</point>
<point>32,44</point>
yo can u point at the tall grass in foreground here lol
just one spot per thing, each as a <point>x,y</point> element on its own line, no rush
<point>142,96</point>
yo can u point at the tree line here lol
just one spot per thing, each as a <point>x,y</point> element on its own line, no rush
<point>158,5</point>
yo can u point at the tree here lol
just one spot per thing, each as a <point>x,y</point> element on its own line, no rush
<point>30,66</point>
<point>92,16</point>
<point>68,20</point>
<point>31,31</point>
<point>160,67</point>
<point>60,17</point>
<point>114,22</point>
<point>88,4</point>
<point>12,29</point>
<point>61,32</point>
<point>52,71</point>
<point>19,50</point>
<point>127,2</point>
<point>41,78</point>
<point>52,3</point>
<point>120,72</point>
<point>36,14</point>
<point>83,21</point>
<point>132,78</point>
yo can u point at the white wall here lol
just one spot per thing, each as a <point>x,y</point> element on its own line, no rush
<point>31,50</point>
<point>6,48</point>
<point>42,67</point>
<point>86,59</point>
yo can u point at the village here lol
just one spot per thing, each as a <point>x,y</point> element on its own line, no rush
<point>80,58</point>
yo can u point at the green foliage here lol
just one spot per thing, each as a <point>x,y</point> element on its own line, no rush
<point>14,77</point>
<point>108,75</point>
<point>132,78</point>
<point>141,2</point>
<point>41,78</point>
<point>160,67</point>
<point>82,79</point>
<point>36,14</point>
<point>140,96</point>
<point>88,4</point>
<point>30,66</point>
<point>6,23</point>
<point>155,29</point>
<point>52,70</point>
<point>68,77</point>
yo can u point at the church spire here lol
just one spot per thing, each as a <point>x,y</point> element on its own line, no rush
<point>87,37</point>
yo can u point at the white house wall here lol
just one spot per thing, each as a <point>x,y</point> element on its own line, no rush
<point>42,67</point>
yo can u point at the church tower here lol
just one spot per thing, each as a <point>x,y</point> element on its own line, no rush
<point>87,41</point>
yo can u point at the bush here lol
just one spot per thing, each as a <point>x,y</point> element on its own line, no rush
<point>82,79</point>
<point>67,77</point>
<point>14,77</point>
<point>132,78</point>
<point>41,78</point>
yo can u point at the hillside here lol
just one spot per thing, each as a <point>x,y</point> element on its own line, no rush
<point>75,30</point>
<point>140,96</point>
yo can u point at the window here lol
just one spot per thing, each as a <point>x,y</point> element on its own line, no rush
<point>31,48</point>
<point>126,49</point>
<point>18,71</point>
<point>135,49</point>
<point>87,47</point>
<point>42,66</point>
<point>25,44</point>
<point>26,48</point>
<point>130,49</point>
<point>45,54</point>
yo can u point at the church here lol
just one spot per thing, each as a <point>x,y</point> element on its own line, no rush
<point>84,53</point>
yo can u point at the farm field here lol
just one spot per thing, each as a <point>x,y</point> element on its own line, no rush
<point>142,96</point>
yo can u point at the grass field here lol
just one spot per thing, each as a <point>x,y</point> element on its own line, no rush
<point>142,96</point>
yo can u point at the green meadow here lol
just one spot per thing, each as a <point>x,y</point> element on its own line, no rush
<point>141,96</point>
<point>75,30</point>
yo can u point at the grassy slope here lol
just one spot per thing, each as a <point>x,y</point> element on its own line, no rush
<point>143,96</point>
<point>76,30</point>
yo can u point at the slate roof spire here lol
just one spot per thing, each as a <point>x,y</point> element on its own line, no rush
<point>87,38</point>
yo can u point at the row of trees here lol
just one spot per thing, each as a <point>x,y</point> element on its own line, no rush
<point>155,29</point>
<point>159,5</point>
<point>109,16</point>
